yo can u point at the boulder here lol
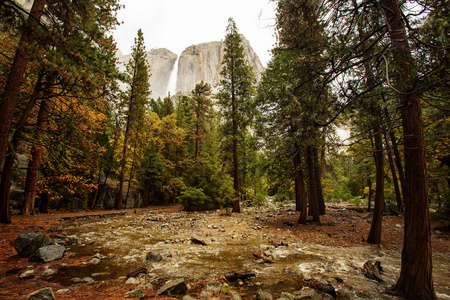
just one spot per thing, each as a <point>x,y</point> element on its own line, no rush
<point>45,293</point>
<point>307,293</point>
<point>263,295</point>
<point>137,293</point>
<point>48,253</point>
<point>173,287</point>
<point>153,256</point>
<point>28,242</point>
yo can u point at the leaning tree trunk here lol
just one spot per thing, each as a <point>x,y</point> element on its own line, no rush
<point>375,228</point>
<point>415,281</point>
<point>398,195</point>
<point>12,88</point>
<point>11,95</point>
<point>35,161</point>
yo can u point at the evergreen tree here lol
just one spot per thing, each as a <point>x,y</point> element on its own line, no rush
<point>135,100</point>
<point>235,100</point>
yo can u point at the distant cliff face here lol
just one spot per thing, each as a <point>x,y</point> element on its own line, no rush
<point>196,63</point>
<point>162,62</point>
<point>203,62</point>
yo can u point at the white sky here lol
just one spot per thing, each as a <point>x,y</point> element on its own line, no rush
<point>177,24</point>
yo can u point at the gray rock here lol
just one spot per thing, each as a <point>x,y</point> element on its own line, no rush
<point>162,62</point>
<point>137,293</point>
<point>63,291</point>
<point>173,287</point>
<point>27,274</point>
<point>307,293</point>
<point>45,293</point>
<point>73,240</point>
<point>76,280</point>
<point>187,297</point>
<point>132,280</point>
<point>286,296</point>
<point>263,295</point>
<point>48,272</point>
<point>236,296</point>
<point>153,256</point>
<point>95,261</point>
<point>203,62</point>
<point>214,287</point>
<point>146,285</point>
<point>48,253</point>
<point>87,279</point>
<point>206,295</point>
<point>28,242</point>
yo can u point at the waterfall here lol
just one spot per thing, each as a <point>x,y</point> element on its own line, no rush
<point>172,86</point>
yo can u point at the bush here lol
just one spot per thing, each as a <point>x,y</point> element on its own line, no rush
<point>194,199</point>
<point>259,199</point>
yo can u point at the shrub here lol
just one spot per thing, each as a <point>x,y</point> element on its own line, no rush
<point>194,199</point>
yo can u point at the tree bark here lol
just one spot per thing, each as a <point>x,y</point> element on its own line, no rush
<point>312,190</point>
<point>318,183</point>
<point>415,281</point>
<point>300,192</point>
<point>398,163</point>
<point>12,88</point>
<point>35,161</point>
<point>375,228</point>
<point>398,195</point>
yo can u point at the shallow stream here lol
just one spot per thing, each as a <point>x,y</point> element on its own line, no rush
<point>122,243</point>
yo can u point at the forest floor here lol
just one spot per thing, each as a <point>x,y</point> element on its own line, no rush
<point>336,229</point>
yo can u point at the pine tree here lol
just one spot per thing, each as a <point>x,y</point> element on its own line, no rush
<point>135,100</point>
<point>235,96</point>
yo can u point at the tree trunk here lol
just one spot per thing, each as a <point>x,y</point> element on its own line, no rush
<point>398,195</point>
<point>398,163</point>
<point>43,206</point>
<point>35,161</point>
<point>415,281</point>
<point>369,197</point>
<point>300,193</point>
<point>318,183</point>
<point>123,164</point>
<point>375,228</point>
<point>9,159</point>
<point>12,88</point>
<point>312,190</point>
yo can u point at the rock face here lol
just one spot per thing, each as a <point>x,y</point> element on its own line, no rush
<point>203,62</point>
<point>162,62</point>
<point>196,63</point>
<point>28,242</point>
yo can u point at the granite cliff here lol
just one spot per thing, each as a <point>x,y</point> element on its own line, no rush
<point>196,63</point>
<point>162,62</point>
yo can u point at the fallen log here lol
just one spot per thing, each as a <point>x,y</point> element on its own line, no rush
<point>372,270</point>
<point>230,276</point>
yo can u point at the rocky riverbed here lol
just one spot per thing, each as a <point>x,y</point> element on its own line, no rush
<point>165,244</point>
<point>200,249</point>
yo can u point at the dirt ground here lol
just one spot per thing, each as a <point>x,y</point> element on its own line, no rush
<point>340,227</point>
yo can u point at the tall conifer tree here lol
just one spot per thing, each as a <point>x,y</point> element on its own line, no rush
<point>235,97</point>
<point>135,99</point>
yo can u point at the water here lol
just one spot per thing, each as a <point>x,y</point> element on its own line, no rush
<point>124,241</point>
<point>172,85</point>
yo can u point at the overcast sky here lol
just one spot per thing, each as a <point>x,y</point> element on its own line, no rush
<point>177,24</point>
